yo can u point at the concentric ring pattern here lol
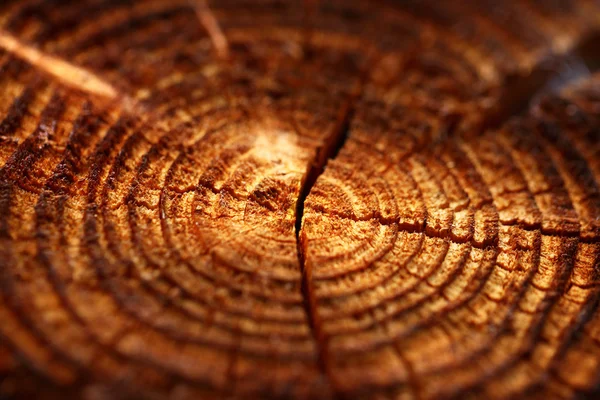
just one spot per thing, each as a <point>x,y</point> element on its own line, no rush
<point>170,226</point>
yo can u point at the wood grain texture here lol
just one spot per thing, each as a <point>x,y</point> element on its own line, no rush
<point>285,199</point>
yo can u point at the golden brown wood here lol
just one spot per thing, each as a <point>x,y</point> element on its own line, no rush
<point>288,199</point>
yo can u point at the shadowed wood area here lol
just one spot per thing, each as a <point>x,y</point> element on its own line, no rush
<point>301,200</point>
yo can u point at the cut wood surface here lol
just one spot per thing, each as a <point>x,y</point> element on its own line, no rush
<point>299,199</point>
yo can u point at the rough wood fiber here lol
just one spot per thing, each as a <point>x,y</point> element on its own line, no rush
<point>171,227</point>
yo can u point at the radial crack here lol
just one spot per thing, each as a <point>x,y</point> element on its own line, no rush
<point>326,152</point>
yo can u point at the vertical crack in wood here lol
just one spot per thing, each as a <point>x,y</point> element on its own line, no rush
<point>211,25</point>
<point>327,151</point>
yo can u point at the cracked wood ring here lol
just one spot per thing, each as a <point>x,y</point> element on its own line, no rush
<point>326,199</point>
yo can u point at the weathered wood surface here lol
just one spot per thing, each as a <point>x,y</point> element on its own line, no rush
<point>287,199</point>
